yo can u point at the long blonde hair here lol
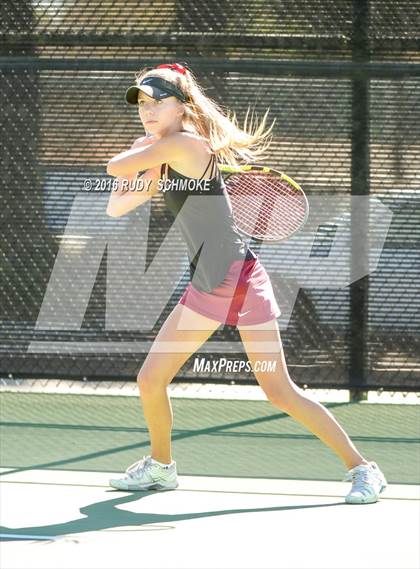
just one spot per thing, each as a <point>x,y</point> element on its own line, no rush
<point>226,139</point>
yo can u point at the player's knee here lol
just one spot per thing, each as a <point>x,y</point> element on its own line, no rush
<point>150,382</point>
<point>144,381</point>
<point>281,396</point>
<point>286,398</point>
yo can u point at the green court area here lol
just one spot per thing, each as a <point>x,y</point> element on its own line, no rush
<point>255,489</point>
<point>229,438</point>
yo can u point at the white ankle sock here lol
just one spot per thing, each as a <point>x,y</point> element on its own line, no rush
<point>161,463</point>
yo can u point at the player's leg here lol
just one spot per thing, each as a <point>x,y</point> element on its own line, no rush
<point>182,333</point>
<point>285,394</point>
<point>263,342</point>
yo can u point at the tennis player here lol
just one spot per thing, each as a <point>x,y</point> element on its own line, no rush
<point>187,134</point>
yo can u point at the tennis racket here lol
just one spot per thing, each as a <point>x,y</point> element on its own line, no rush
<point>267,205</point>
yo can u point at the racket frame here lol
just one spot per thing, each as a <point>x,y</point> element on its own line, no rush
<point>225,168</point>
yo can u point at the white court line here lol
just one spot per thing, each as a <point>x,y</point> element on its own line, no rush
<point>33,537</point>
<point>187,390</point>
<point>210,484</point>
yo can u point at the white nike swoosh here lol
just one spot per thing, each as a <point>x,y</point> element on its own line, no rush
<point>240,314</point>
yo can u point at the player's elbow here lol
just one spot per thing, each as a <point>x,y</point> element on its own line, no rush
<point>112,168</point>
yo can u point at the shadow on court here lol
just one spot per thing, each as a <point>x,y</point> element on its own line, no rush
<point>106,515</point>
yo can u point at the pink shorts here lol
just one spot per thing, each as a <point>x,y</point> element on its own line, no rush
<point>244,297</point>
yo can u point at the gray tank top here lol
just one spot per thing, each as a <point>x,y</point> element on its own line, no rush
<point>206,223</point>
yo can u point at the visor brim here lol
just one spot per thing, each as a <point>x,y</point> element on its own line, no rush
<point>132,93</point>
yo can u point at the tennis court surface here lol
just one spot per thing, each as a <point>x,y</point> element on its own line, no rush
<point>256,489</point>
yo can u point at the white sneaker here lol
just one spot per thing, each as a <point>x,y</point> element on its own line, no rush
<point>147,474</point>
<point>368,482</point>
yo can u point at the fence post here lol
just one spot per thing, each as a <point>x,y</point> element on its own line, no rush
<point>359,290</point>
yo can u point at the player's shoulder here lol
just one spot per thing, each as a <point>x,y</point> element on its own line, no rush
<point>189,140</point>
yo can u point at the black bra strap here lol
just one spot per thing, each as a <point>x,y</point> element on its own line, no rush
<point>164,167</point>
<point>207,167</point>
<point>214,168</point>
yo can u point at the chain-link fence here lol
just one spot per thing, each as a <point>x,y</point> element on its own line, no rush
<point>342,80</point>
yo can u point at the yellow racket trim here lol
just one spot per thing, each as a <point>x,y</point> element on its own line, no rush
<point>238,169</point>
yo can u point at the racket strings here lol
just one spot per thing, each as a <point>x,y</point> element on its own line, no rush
<point>265,206</point>
<point>284,198</point>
